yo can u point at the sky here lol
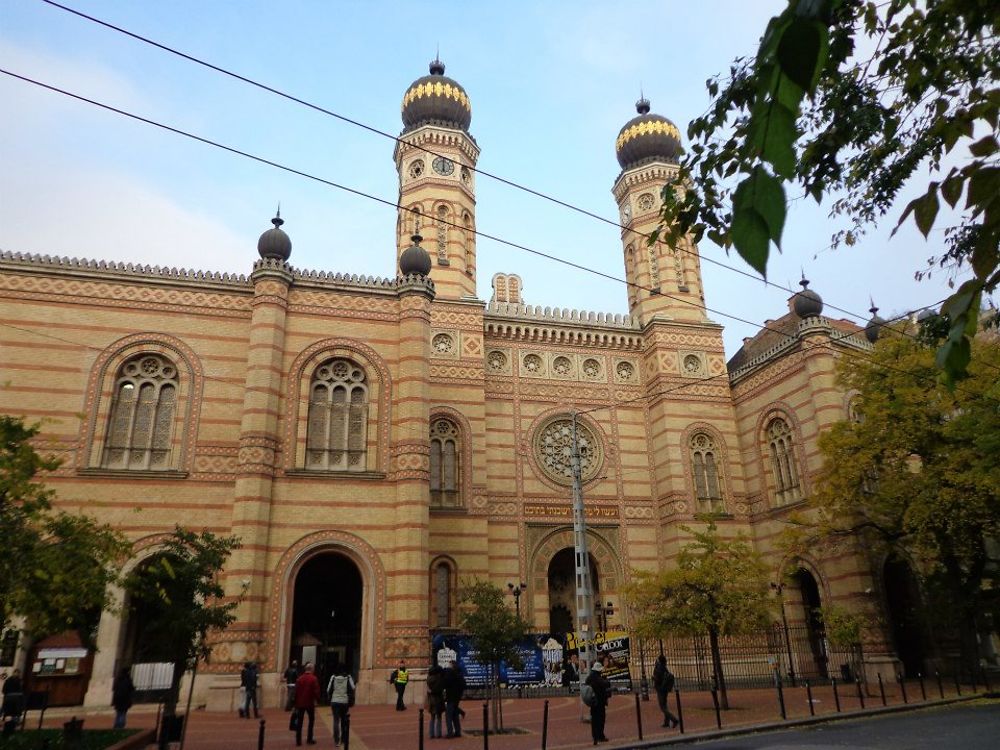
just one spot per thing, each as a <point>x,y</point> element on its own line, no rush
<point>551,84</point>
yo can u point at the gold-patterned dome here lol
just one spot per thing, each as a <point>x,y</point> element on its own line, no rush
<point>436,99</point>
<point>646,138</point>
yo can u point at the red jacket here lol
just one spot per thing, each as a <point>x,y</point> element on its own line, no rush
<point>306,691</point>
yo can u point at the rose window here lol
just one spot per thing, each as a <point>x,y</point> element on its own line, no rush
<point>692,364</point>
<point>416,168</point>
<point>562,366</point>
<point>645,202</point>
<point>554,450</point>
<point>625,371</point>
<point>533,363</point>
<point>442,343</point>
<point>497,361</point>
<point>592,368</point>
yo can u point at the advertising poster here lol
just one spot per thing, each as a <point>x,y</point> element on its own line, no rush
<point>539,655</point>
<point>611,648</point>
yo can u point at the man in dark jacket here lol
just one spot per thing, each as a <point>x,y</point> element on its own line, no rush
<point>663,682</point>
<point>291,675</point>
<point>248,681</point>
<point>306,698</point>
<point>454,689</point>
<point>435,699</point>
<point>602,694</point>
<point>122,693</point>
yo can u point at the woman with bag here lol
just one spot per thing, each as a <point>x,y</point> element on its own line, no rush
<point>341,690</point>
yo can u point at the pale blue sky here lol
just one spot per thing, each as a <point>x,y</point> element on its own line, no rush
<point>551,84</point>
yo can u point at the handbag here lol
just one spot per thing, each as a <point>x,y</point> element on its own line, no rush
<point>295,720</point>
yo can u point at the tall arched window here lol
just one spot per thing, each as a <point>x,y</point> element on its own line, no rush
<point>786,472</point>
<point>338,417</point>
<point>630,274</point>
<point>654,268</point>
<point>442,234</point>
<point>417,219</point>
<point>704,467</point>
<point>142,414</point>
<point>441,599</point>
<point>446,475</point>
<point>470,244</point>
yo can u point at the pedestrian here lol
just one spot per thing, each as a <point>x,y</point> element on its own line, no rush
<point>122,693</point>
<point>306,698</point>
<point>248,681</point>
<point>663,682</point>
<point>435,698</point>
<point>341,691</point>
<point>569,674</point>
<point>291,675</point>
<point>399,677</point>
<point>599,708</point>
<point>13,696</point>
<point>454,689</point>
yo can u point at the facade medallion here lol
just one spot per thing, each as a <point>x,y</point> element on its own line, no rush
<point>554,450</point>
<point>416,169</point>
<point>645,202</point>
<point>497,361</point>
<point>562,366</point>
<point>466,176</point>
<point>625,371</point>
<point>533,364</point>
<point>692,364</point>
<point>591,369</point>
<point>443,343</point>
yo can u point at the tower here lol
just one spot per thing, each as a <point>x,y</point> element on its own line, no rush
<point>647,148</point>
<point>435,159</point>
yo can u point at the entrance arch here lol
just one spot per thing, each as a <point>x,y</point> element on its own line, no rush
<point>902,594</point>
<point>561,588</point>
<point>805,611</point>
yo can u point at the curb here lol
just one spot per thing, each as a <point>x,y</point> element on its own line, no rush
<point>807,721</point>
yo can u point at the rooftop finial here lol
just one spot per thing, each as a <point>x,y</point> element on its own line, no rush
<point>437,67</point>
<point>277,220</point>
<point>642,106</point>
<point>804,282</point>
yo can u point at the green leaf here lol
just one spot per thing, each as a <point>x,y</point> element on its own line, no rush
<point>984,185</point>
<point>802,51</point>
<point>984,146</point>
<point>951,188</point>
<point>772,136</point>
<point>763,194</point>
<point>750,236</point>
<point>925,210</point>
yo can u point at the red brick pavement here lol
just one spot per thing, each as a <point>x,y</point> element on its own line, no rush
<point>383,728</point>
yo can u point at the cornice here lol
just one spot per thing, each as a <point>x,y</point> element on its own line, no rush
<point>505,320</point>
<point>436,135</point>
<point>651,171</point>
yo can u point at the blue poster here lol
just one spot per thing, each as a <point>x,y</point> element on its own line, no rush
<point>541,657</point>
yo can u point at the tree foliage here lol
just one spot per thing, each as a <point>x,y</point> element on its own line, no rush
<point>181,586</point>
<point>495,631</point>
<point>855,99</point>
<point>56,568</point>
<point>719,586</point>
<point>917,472</point>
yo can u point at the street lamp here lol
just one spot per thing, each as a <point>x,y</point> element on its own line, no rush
<point>516,592</point>
<point>605,612</point>
<point>779,588</point>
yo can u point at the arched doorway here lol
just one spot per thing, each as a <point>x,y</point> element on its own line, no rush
<point>327,613</point>
<point>143,649</point>
<point>562,590</point>
<point>811,621</point>
<point>902,596</point>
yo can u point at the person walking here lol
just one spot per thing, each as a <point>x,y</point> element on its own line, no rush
<point>663,682</point>
<point>122,693</point>
<point>248,681</point>
<point>291,675</point>
<point>306,698</point>
<point>399,677</point>
<point>599,707</point>
<point>435,698</point>
<point>454,689</point>
<point>341,691</point>
<point>13,697</point>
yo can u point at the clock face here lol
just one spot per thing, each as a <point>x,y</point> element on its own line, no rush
<point>443,165</point>
<point>626,212</point>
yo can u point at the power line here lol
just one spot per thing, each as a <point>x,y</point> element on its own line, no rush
<point>360,193</point>
<point>428,151</point>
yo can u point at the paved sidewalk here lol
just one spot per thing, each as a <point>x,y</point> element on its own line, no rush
<point>383,728</point>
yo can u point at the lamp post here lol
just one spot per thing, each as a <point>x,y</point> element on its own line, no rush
<point>606,611</point>
<point>516,592</point>
<point>779,588</point>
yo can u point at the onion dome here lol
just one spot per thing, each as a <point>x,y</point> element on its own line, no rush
<point>274,243</point>
<point>414,259</point>
<point>874,326</point>
<point>436,99</point>
<point>647,138</point>
<point>807,303</point>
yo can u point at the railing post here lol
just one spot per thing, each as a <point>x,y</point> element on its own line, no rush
<point>902,686</point>
<point>781,698</point>
<point>420,742</point>
<point>545,725</point>
<point>715,701</point>
<point>986,680</point>
<point>861,694</point>
<point>809,697</point>
<point>638,716</point>
<point>958,687</point>
<point>680,711</point>
<point>881,687</point>
<point>836,695</point>
<point>972,677</point>
<point>260,735</point>
<point>923,688</point>
<point>940,684</point>
<point>486,727</point>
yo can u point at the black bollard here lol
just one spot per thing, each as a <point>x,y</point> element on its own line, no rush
<point>836,695</point>
<point>718,714</point>
<point>972,677</point>
<point>809,697</point>
<point>680,711</point>
<point>881,687</point>
<point>986,680</point>
<point>420,742</point>
<point>260,735</point>
<point>486,727</point>
<point>781,698</point>
<point>902,686</point>
<point>545,725</point>
<point>861,695</point>
<point>638,716</point>
<point>958,687</point>
<point>923,688</point>
<point>940,684</point>
<point>347,731</point>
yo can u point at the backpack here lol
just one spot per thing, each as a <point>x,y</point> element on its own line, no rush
<point>668,681</point>
<point>588,695</point>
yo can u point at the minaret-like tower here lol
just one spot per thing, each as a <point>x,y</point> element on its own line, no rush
<point>435,159</point>
<point>647,150</point>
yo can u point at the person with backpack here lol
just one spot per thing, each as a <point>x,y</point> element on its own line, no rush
<point>435,699</point>
<point>341,691</point>
<point>596,693</point>
<point>663,682</point>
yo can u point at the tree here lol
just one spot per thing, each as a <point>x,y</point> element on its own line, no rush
<point>495,631</point>
<point>917,473</point>
<point>853,99</point>
<point>180,585</point>
<point>719,587</point>
<point>56,568</point>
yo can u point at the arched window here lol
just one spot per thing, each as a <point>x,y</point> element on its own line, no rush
<point>470,244</point>
<point>704,467</point>
<point>630,274</point>
<point>338,417</point>
<point>654,268</point>
<point>141,424</point>
<point>786,472</point>
<point>446,475</point>
<point>442,234</point>
<point>417,219</point>
<point>441,599</point>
